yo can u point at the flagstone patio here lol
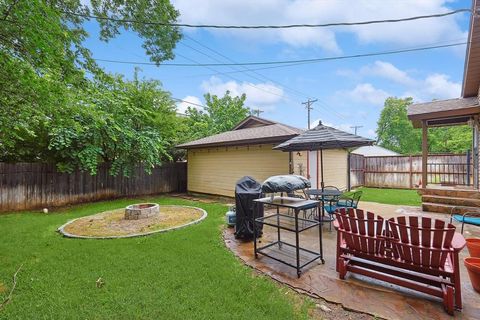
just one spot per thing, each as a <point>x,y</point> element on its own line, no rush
<point>356,292</point>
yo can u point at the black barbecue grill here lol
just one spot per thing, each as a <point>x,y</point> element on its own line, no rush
<point>247,189</point>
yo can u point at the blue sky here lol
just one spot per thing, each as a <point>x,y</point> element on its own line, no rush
<point>349,92</point>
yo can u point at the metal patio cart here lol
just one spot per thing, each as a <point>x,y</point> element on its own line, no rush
<point>289,254</point>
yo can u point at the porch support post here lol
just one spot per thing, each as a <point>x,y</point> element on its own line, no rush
<point>424,153</point>
<point>475,152</point>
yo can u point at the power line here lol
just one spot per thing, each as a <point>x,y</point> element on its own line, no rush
<point>192,103</point>
<point>289,62</point>
<point>247,70</point>
<point>236,79</point>
<point>288,26</point>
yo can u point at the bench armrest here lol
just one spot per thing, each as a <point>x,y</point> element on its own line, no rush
<point>458,242</point>
<point>335,224</point>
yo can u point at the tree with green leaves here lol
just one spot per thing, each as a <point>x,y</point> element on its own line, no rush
<point>119,122</point>
<point>59,106</point>
<point>395,132</point>
<point>219,115</point>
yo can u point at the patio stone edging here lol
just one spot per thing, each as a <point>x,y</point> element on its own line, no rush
<point>61,229</point>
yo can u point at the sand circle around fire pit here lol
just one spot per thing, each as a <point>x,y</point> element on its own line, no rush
<point>112,224</point>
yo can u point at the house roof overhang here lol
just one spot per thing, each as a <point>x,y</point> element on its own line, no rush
<point>444,112</point>
<point>471,74</point>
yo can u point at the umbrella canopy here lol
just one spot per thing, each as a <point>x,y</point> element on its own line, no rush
<point>323,137</point>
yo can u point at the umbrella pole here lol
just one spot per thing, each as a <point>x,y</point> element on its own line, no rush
<point>321,168</point>
<point>322,185</point>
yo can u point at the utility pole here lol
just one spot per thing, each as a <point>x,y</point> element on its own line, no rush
<point>256,112</point>
<point>308,106</point>
<point>355,128</point>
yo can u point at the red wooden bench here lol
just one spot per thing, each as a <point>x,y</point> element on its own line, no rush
<point>414,252</point>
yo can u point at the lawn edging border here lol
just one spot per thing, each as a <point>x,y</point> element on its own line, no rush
<point>66,234</point>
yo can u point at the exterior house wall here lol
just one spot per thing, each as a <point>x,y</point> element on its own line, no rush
<point>335,164</point>
<point>335,168</point>
<point>216,170</point>
<point>299,159</point>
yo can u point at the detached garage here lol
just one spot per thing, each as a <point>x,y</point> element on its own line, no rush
<point>217,162</point>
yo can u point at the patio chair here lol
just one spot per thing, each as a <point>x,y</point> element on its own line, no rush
<point>350,201</point>
<point>308,213</point>
<point>330,204</point>
<point>470,217</point>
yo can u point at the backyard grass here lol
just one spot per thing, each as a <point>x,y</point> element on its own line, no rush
<point>183,274</point>
<point>391,196</point>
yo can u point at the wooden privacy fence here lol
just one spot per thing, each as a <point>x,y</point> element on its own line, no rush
<point>406,171</point>
<point>36,185</point>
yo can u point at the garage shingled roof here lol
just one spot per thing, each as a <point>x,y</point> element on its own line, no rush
<point>265,131</point>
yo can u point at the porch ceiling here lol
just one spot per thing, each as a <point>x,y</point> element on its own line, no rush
<point>444,112</point>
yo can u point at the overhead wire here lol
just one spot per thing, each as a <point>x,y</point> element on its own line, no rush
<point>288,26</point>
<point>289,62</point>
<point>236,79</point>
<point>298,93</point>
<point>247,70</point>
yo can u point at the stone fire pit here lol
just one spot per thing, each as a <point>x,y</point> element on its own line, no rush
<point>141,211</point>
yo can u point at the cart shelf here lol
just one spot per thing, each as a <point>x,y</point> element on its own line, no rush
<point>285,252</point>
<point>287,222</point>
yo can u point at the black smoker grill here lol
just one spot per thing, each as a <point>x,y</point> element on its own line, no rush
<point>246,190</point>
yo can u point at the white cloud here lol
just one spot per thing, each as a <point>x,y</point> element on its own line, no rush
<point>388,71</point>
<point>254,12</point>
<point>439,86</point>
<point>263,95</point>
<point>365,93</point>
<point>432,86</point>
<point>188,101</point>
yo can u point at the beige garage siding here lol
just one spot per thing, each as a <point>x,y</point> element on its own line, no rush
<point>335,162</point>
<point>300,163</point>
<point>216,170</point>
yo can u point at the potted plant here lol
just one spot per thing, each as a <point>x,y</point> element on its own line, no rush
<point>473,267</point>
<point>473,245</point>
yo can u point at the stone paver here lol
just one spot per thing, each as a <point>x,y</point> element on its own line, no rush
<point>357,292</point>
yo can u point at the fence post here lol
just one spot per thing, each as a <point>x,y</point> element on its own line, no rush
<point>411,172</point>
<point>349,169</point>
<point>364,171</point>
<point>468,167</point>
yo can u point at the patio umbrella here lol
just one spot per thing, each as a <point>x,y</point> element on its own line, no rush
<point>323,137</point>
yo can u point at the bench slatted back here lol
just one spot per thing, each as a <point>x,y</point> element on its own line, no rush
<point>361,230</point>
<point>421,241</point>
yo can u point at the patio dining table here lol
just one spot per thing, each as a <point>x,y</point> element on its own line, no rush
<point>321,195</point>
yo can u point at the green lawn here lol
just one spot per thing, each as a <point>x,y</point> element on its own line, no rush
<point>391,196</point>
<point>184,274</point>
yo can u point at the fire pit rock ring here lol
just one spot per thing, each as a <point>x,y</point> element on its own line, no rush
<point>141,211</point>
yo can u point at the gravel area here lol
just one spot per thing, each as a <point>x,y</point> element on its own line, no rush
<point>110,224</point>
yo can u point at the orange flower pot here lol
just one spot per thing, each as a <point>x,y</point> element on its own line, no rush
<point>473,267</point>
<point>473,245</point>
